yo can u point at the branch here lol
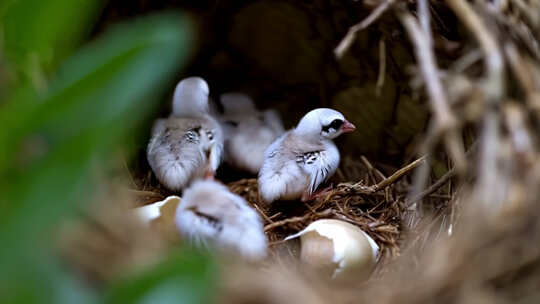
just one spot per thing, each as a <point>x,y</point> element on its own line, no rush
<point>434,187</point>
<point>347,41</point>
<point>382,67</point>
<point>398,174</point>
<point>426,61</point>
<point>385,182</point>
<point>424,17</point>
<point>494,60</point>
<point>524,75</point>
<point>489,185</point>
<point>295,220</point>
<point>445,122</point>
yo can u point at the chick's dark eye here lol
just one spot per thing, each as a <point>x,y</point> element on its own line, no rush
<point>232,123</point>
<point>335,124</point>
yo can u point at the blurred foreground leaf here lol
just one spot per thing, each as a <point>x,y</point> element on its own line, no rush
<point>38,34</point>
<point>50,143</point>
<point>184,278</point>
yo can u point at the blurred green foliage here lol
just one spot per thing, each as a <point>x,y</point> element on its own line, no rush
<point>184,278</point>
<point>39,34</point>
<point>65,108</point>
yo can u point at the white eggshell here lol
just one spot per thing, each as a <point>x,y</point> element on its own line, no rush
<point>151,212</point>
<point>353,248</point>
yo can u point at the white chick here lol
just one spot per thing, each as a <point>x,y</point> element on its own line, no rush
<point>248,132</point>
<point>301,159</point>
<point>210,214</point>
<point>188,144</point>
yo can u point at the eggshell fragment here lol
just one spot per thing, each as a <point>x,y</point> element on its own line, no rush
<point>153,211</point>
<point>336,244</point>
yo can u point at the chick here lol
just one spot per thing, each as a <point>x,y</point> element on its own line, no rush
<point>301,159</point>
<point>248,132</point>
<point>210,214</point>
<point>189,143</point>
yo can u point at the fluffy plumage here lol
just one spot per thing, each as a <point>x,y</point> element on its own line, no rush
<point>248,132</point>
<point>301,159</point>
<point>210,214</point>
<point>188,144</point>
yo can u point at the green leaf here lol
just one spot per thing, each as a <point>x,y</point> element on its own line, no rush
<point>108,80</point>
<point>38,34</point>
<point>42,280</point>
<point>51,142</point>
<point>186,278</point>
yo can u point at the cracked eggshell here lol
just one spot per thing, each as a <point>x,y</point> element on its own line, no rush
<point>159,217</point>
<point>337,246</point>
<point>162,209</point>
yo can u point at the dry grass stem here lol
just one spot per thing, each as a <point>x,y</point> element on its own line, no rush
<point>382,67</point>
<point>347,41</point>
<point>493,58</point>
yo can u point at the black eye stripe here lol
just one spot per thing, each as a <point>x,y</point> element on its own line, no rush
<point>335,124</point>
<point>232,123</point>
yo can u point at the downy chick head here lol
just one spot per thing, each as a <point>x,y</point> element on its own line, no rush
<point>323,123</point>
<point>248,131</point>
<point>237,103</point>
<point>191,97</point>
<point>210,215</point>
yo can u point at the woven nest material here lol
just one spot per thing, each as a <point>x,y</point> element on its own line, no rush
<point>362,195</point>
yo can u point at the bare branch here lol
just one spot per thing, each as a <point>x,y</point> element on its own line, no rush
<point>398,174</point>
<point>494,85</point>
<point>434,187</point>
<point>382,67</point>
<point>424,17</point>
<point>445,123</point>
<point>347,41</point>
<point>524,75</point>
<point>358,187</point>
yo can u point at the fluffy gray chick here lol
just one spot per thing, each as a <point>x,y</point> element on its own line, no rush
<point>210,215</point>
<point>189,143</point>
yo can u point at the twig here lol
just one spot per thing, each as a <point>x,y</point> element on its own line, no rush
<point>416,196</point>
<point>387,181</point>
<point>382,67</point>
<point>398,174</point>
<point>441,196</point>
<point>489,186</point>
<point>295,220</point>
<point>529,11</point>
<point>519,132</point>
<point>347,41</point>
<point>371,168</point>
<point>274,215</point>
<point>524,76</point>
<point>424,17</point>
<point>465,61</point>
<point>494,59</point>
<point>145,193</point>
<point>133,183</point>
<point>274,243</point>
<point>438,184</point>
<point>422,173</point>
<point>426,60</point>
<point>266,218</point>
<point>445,123</point>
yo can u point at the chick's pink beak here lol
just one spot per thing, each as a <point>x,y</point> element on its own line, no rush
<point>347,127</point>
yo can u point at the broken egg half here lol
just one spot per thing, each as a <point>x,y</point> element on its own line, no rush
<point>338,247</point>
<point>165,208</point>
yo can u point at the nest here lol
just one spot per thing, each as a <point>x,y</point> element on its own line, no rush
<point>359,193</point>
<point>377,209</point>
